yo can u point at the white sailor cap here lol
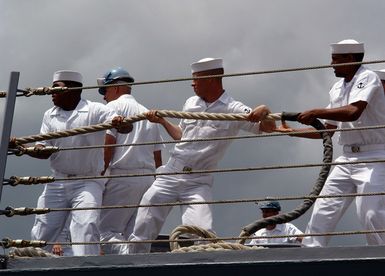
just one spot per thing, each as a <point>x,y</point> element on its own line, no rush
<point>347,46</point>
<point>67,75</point>
<point>381,74</point>
<point>206,64</point>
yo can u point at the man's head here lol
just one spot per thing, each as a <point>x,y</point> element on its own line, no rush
<point>270,208</point>
<point>381,74</point>
<point>67,78</point>
<point>115,76</point>
<point>209,89</point>
<point>345,51</point>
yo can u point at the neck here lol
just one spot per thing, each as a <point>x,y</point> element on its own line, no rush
<point>214,95</point>
<point>350,75</point>
<point>71,104</point>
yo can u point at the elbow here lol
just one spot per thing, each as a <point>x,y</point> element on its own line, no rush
<point>353,116</point>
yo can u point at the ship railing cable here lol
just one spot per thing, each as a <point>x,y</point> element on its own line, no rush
<point>20,243</point>
<point>20,150</point>
<point>24,211</point>
<point>31,180</point>
<point>49,90</point>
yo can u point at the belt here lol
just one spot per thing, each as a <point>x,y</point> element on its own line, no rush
<point>178,165</point>
<point>362,148</point>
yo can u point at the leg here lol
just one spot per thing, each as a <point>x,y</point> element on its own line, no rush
<point>48,226</point>
<point>328,211</point>
<point>200,215</point>
<point>114,223</point>
<point>84,224</point>
<point>371,209</point>
<point>149,220</point>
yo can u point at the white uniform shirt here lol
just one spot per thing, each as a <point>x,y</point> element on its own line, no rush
<point>205,155</point>
<point>134,157</point>
<point>280,229</point>
<point>365,86</point>
<point>77,162</point>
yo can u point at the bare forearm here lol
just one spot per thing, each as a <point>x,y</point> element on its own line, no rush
<point>173,130</point>
<point>108,151</point>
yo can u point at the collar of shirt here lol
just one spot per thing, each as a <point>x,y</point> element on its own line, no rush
<point>81,107</point>
<point>224,98</point>
<point>126,96</point>
<point>354,79</point>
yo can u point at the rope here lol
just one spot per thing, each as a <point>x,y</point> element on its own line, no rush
<point>32,151</point>
<point>23,211</point>
<point>132,119</point>
<point>30,252</point>
<point>183,229</point>
<point>7,243</point>
<point>307,203</point>
<point>285,217</point>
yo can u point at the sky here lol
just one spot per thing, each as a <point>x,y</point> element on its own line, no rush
<point>157,40</point>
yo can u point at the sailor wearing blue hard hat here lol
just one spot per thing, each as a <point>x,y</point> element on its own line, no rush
<point>117,224</point>
<point>114,76</point>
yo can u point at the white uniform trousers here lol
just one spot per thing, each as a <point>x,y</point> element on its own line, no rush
<point>83,225</point>
<point>351,178</point>
<point>166,189</point>
<point>118,224</point>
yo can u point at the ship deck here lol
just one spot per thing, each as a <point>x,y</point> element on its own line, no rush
<point>291,261</point>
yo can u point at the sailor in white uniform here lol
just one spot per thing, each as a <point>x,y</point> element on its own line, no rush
<point>272,208</point>
<point>118,224</point>
<point>71,111</point>
<point>357,100</point>
<point>210,97</point>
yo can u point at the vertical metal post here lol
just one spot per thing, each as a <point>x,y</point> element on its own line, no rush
<point>7,124</point>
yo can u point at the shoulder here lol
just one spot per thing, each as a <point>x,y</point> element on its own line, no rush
<point>192,100</point>
<point>365,78</point>
<point>238,107</point>
<point>97,106</point>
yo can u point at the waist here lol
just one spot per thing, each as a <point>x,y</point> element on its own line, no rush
<point>60,174</point>
<point>179,165</point>
<point>114,171</point>
<point>363,148</point>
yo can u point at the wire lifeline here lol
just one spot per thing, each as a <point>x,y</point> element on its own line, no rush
<point>7,242</point>
<point>28,180</point>
<point>49,90</point>
<point>10,211</point>
<point>21,151</point>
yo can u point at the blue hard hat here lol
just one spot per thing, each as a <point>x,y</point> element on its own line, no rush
<point>113,75</point>
<point>270,205</point>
